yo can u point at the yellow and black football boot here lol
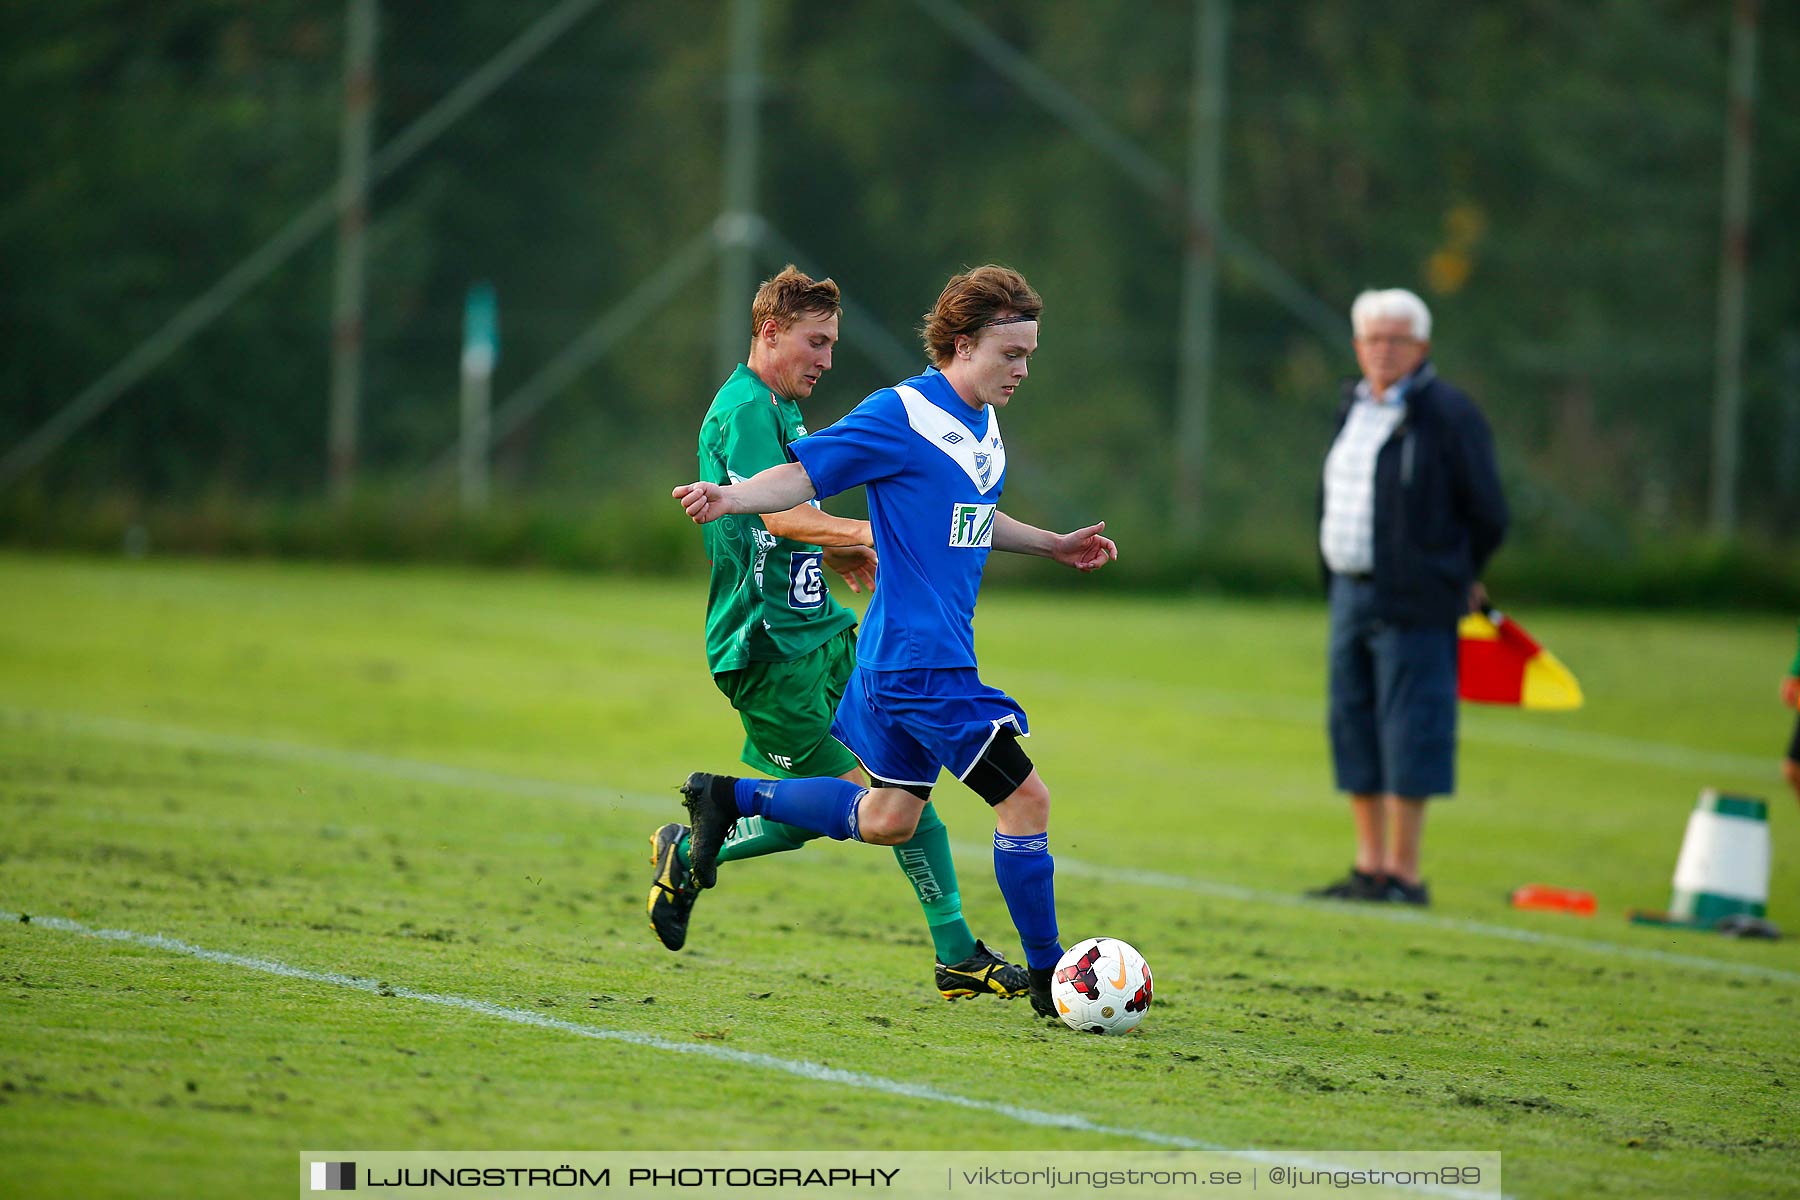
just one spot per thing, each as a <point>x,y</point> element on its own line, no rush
<point>672,896</point>
<point>983,973</point>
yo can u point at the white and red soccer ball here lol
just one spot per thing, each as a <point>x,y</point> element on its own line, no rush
<point>1102,985</point>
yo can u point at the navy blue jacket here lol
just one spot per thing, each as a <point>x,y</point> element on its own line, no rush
<point>1439,510</point>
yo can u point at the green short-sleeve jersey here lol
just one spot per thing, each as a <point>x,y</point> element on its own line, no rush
<point>768,601</point>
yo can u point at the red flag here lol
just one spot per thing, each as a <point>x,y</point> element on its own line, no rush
<point>1499,663</point>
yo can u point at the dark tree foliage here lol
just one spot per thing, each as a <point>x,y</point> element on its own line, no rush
<point>1547,175</point>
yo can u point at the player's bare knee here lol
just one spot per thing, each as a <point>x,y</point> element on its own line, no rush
<point>1036,793</point>
<point>888,830</point>
<point>888,816</point>
<point>1790,771</point>
<point>1027,810</point>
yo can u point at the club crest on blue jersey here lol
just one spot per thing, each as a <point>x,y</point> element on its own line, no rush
<point>972,525</point>
<point>981,459</point>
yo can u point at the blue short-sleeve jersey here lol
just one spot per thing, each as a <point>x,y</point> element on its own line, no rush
<point>933,467</point>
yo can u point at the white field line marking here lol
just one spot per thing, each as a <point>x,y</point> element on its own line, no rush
<point>412,769</point>
<point>1476,723</point>
<point>1610,747</point>
<point>1408,916</point>
<point>493,781</point>
<point>816,1072</point>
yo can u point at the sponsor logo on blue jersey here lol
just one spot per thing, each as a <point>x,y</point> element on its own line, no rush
<point>972,525</point>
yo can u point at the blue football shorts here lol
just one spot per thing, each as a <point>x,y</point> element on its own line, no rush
<point>905,725</point>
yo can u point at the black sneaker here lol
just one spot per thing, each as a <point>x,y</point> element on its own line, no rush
<point>672,895</point>
<point>983,973</point>
<point>712,811</point>
<point>1357,885</point>
<point>1407,893</point>
<point>1042,1002</point>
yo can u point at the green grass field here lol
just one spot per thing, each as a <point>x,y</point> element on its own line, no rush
<point>440,784</point>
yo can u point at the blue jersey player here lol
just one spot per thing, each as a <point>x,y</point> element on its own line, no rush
<point>930,453</point>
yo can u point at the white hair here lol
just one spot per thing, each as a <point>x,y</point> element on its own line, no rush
<point>1394,302</point>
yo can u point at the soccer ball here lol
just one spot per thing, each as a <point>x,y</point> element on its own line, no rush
<point>1102,985</point>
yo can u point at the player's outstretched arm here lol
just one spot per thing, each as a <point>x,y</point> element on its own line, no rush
<point>774,490</point>
<point>849,544</point>
<point>1084,549</point>
<point>804,523</point>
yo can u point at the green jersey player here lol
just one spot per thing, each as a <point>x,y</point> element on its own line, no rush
<point>781,648</point>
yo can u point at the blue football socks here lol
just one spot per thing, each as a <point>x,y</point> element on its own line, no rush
<point>824,805</point>
<point>1026,874</point>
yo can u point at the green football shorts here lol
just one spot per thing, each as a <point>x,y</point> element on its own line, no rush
<point>787,709</point>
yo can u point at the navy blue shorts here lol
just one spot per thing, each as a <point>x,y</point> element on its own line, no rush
<point>904,725</point>
<point>1393,700</point>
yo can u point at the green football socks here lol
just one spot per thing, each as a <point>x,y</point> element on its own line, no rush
<point>754,837</point>
<point>925,860</point>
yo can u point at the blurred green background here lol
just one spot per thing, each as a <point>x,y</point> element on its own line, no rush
<point>1551,177</point>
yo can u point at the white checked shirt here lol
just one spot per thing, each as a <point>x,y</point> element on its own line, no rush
<point>1347,530</point>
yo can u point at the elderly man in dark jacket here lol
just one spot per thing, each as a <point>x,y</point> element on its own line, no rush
<point>1411,509</point>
